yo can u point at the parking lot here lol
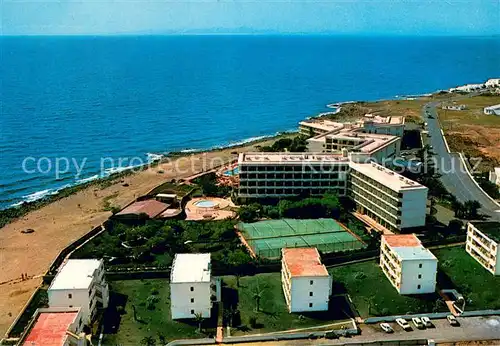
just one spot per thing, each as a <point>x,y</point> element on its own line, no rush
<point>471,328</point>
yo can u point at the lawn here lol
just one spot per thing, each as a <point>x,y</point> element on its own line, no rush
<point>373,295</point>
<point>123,329</point>
<point>273,314</point>
<point>459,270</point>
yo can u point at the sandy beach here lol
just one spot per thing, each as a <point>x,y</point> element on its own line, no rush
<point>58,224</point>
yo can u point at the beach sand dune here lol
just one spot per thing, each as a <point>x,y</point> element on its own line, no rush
<point>58,224</point>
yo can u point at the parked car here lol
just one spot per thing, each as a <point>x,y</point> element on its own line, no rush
<point>403,324</point>
<point>427,322</point>
<point>417,322</point>
<point>452,320</point>
<point>386,327</point>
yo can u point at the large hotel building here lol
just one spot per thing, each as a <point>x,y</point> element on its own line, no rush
<point>342,159</point>
<point>483,244</point>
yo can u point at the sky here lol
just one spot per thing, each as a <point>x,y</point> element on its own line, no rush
<point>367,17</point>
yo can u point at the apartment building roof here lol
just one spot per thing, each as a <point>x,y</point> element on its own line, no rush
<point>323,124</point>
<point>291,158</point>
<point>390,120</point>
<point>188,268</point>
<point>385,176</point>
<point>490,229</point>
<point>50,328</point>
<point>401,240</point>
<point>304,262</point>
<point>407,246</point>
<point>75,274</point>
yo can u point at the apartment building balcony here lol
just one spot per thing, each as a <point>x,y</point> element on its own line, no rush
<point>481,240</point>
<point>487,254</point>
<point>395,281</point>
<point>390,203</point>
<point>485,259</point>
<point>393,270</point>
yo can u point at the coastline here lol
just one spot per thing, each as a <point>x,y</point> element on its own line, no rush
<point>59,222</point>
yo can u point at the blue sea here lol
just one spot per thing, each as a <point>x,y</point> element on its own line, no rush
<point>94,97</point>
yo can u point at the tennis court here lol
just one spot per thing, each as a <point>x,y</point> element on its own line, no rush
<point>267,238</point>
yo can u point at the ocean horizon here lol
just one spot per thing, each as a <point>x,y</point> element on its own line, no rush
<point>90,97</point>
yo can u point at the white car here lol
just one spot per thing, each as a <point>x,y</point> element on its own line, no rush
<point>403,324</point>
<point>386,327</point>
<point>452,320</point>
<point>417,322</point>
<point>426,321</point>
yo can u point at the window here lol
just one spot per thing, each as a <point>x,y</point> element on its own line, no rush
<point>70,296</point>
<point>192,288</point>
<point>310,294</point>
<point>71,306</point>
<point>310,305</point>
<point>311,282</point>
<point>420,265</point>
<point>192,312</point>
<point>419,286</point>
<point>419,276</point>
<point>192,300</point>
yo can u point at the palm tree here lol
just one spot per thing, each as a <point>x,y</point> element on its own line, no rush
<point>198,317</point>
<point>257,296</point>
<point>148,341</point>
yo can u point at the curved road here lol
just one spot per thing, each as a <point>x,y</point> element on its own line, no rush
<point>453,174</point>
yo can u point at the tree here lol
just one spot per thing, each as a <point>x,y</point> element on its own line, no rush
<point>148,341</point>
<point>455,226</point>
<point>241,263</point>
<point>257,296</point>
<point>472,208</point>
<point>198,317</point>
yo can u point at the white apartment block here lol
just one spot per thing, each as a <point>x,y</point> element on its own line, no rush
<point>492,83</point>
<point>494,176</point>
<point>492,110</point>
<point>483,244</point>
<point>192,288</point>
<point>410,267</point>
<point>55,327</point>
<point>370,123</point>
<point>307,286</point>
<point>80,283</point>
<point>388,198</point>
<point>278,175</point>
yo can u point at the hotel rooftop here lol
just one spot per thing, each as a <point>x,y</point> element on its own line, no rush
<point>50,329</point>
<point>75,274</point>
<point>188,268</point>
<point>386,176</point>
<point>304,262</point>
<point>292,158</point>
<point>407,246</point>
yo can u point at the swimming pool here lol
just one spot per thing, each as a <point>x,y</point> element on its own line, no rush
<point>231,172</point>
<point>205,203</point>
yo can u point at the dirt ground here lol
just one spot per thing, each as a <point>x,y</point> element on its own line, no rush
<point>60,223</point>
<point>472,132</point>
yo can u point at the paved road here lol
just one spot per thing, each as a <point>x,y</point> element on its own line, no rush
<point>454,175</point>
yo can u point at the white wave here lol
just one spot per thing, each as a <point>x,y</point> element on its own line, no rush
<point>39,195</point>
<point>190,150</point>
<point>154,157</point>
<point>86,180</point>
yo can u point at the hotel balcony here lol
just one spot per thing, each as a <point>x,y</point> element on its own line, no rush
<point>486,255</point>
<point>391,271</point>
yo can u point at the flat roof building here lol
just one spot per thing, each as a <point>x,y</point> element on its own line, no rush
<point>80,283</point>
<point>388,198</point>
<point>55,327</point>
<point>409,266</point>
<point>306,283</point>
<point>492,110</point>
<point>483,244</point>
<point>192,288</point>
